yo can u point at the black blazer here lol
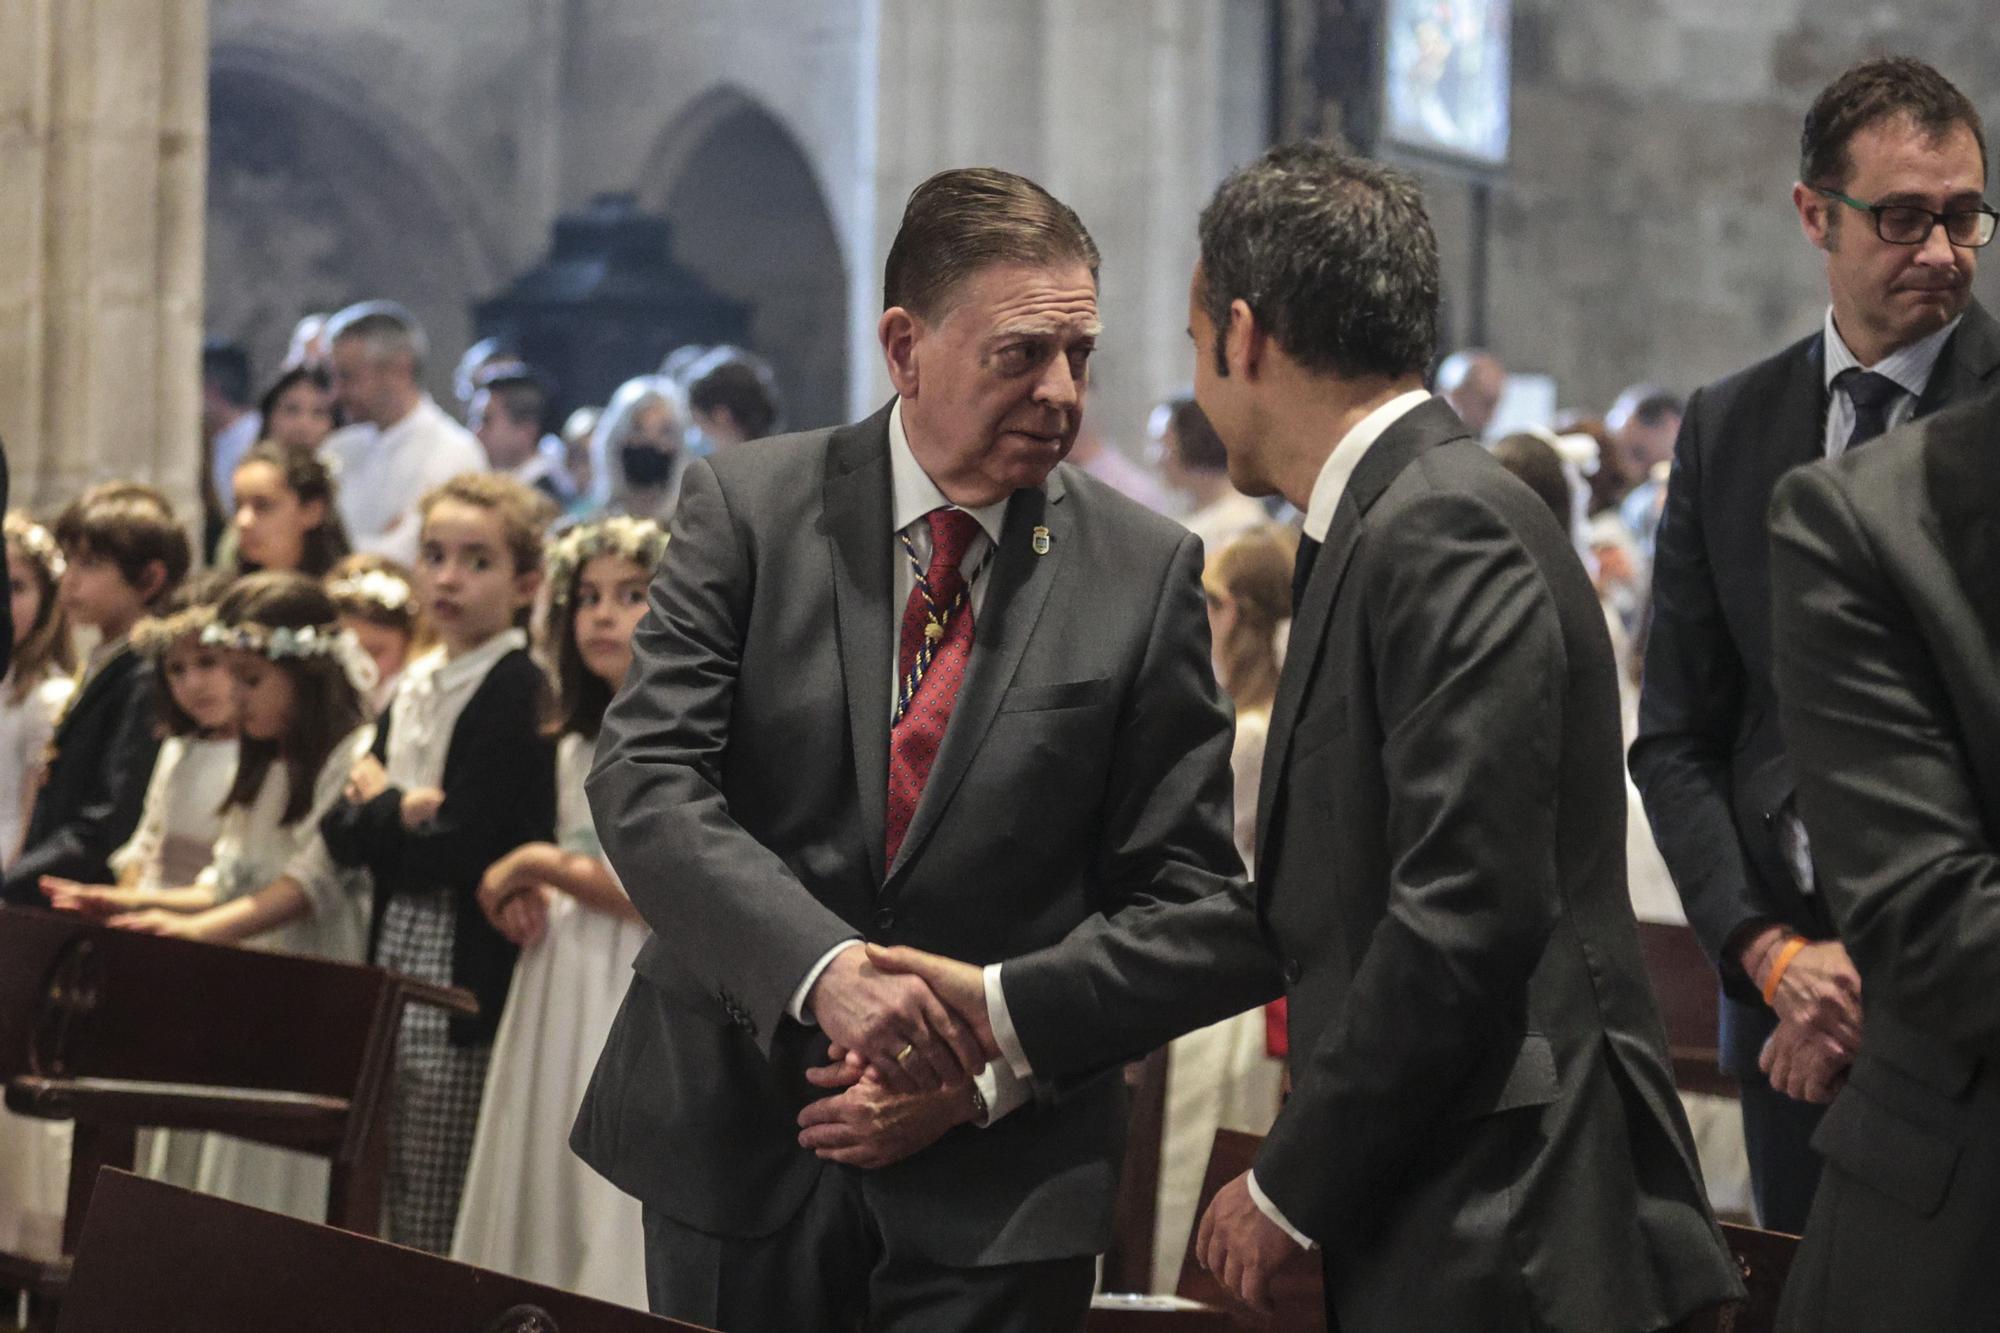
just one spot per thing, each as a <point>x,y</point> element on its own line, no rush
<point>96,784</point>
<point>1483,1130</point>
<point>1708,758</point>
<point>500,792</point>
<point>1886,578</point>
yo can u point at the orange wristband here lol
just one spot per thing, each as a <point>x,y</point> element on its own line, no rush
<point>1786,953</point>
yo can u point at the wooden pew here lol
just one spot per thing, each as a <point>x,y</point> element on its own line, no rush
<point>1684,986</point>
<point>166,1260</point>
<point>117,1031</point>
<point>1765,1260</point>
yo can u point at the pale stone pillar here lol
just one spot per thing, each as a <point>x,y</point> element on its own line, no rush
<point>103,148</point>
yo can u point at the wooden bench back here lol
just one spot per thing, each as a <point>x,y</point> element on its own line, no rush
<point>169,1261</point>
<point>1685,988</point>
<point>79,1000</point>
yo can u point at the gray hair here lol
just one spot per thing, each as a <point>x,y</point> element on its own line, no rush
<point>1334,256</point>
<point>387,327</point>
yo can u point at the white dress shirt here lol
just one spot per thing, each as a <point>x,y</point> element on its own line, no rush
<point>1910,367</point>
<point>382,474</point>
<point>1331,484</point>
<point>912,496</point>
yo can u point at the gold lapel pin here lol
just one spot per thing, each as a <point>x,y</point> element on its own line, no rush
<point>1041,542</point>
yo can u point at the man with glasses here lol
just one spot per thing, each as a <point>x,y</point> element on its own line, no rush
<point>1892,190</point>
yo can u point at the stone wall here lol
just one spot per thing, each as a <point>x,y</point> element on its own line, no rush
<point>1645,230</point>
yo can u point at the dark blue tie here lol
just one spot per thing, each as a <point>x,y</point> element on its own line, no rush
<point>1872,395</point>
<point>1302,570</point>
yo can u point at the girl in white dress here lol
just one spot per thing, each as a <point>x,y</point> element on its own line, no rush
<point>40,675</point>
<point>378,606</point>
<point>195,698</point>
<point>299,680</point>
<point>34,1154</point>
<point>530,1207</point>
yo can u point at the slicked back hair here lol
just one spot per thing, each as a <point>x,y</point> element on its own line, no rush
<point>1870,93</point>
<point>1333,254</point>
<point>961,221</point>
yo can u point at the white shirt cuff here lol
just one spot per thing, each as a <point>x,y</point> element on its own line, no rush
<point>797,1008</point>
<point>1002,1092</point>
<point>1003,1025</point>
<point>1270,1210</point>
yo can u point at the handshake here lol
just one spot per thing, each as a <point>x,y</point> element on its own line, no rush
<point>910,1034</point>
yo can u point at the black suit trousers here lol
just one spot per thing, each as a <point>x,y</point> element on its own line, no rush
<point>828,1270</point>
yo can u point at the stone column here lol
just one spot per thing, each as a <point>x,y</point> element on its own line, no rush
<point>103,148</point>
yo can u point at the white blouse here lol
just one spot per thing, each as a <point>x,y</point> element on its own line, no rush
<point>25,729</point>
<point>254,850</point>
<point>182,817</point>
<point>433,691</point>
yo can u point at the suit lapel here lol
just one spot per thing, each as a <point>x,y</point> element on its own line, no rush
<point>1962,474</point>
<point>1800,436</point>
<point>1016,589</point>
<point>1424,427</point>
<point>856,520</point>
<point>1966,366</point>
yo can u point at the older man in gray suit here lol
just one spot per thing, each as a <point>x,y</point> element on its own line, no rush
<point>913,681</point>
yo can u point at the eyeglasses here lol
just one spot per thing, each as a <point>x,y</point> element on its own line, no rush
<point>1906,224</point>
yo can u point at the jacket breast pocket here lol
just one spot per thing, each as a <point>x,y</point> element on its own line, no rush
<point>1064,694</point>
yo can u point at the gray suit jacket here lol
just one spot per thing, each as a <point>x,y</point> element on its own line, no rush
<point>739,791</point>
<point>1483,1132</point>
<point>1885,573</point>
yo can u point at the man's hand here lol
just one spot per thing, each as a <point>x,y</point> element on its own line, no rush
<point>960,985</point>
<point>1241,1246</point>
<point>1804,1063</point>
<point>1821,990</point>
<point>870,1127</point>
<point>894,1023</point>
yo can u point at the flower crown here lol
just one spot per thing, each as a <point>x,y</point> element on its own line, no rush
<point>37,543</point>
<point>154,635</point>
<point>278,644</point>
<point>640,540</point>
<point>377,587</point>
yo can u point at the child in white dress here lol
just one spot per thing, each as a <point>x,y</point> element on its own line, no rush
<point>299,680</point>
<point>34,1154</point>
<point>379,607</point>
<point>40,677</point>
<point>531,1208</point>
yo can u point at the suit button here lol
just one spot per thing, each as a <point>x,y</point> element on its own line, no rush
<point>1293,971</point>
<point>885,919</point>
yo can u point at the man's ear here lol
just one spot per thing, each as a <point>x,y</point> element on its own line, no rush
<point>1815,215</point>
<point>900,332</point>
<point>1244,343</point>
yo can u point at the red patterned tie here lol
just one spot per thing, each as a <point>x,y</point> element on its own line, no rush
<point>930,668</point>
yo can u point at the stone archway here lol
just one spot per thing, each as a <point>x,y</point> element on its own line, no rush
<point>750,217</point>
<point>318,197</point>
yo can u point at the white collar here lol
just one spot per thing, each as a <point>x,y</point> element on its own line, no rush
<point>447,672</point>
<point>1339,467</point>
<point>1909,366</point>
<point>913,494</point>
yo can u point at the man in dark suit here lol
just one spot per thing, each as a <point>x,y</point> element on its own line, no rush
<point>1885,575</point>
<point>1482,1131</point>
<point>909,680</point>
<point>1891,152</point>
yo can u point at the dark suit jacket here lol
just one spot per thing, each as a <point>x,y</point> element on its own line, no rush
<point>96,784</point>
<point>1483,1132</point>
<point>1709,759</point>
<point>739,790</point>
<point>500,792</point>
<point>1886,591</point>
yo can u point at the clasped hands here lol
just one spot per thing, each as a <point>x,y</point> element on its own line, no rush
<point>910,1031</point>
<point>1818,1002</point>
